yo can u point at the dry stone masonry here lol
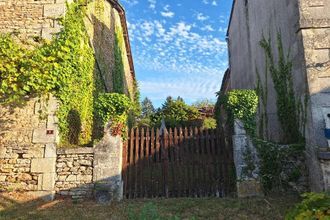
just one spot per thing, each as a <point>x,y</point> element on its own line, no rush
<point>74,169</point>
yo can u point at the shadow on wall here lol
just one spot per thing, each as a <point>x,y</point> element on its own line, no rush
<point>107,45</point>
<point>74,126</point>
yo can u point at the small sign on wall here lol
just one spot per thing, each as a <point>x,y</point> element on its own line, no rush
<point>50,132</point>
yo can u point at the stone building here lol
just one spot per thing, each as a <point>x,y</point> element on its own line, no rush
<point>29,158</point>
<point>304,27</point>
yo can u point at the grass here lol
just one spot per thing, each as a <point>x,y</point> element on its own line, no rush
<point>12,206</point>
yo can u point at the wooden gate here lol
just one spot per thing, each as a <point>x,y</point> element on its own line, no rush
<point>186,162</point>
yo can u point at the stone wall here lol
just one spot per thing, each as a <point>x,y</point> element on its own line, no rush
<point>28,136</point>
<point>74,169</point>
<point>315,30</point>
<point>31,18</point>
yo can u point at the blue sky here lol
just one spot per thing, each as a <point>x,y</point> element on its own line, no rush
<point>179,47</point>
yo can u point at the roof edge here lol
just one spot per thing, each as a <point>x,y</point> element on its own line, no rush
<point>231,16</point>
<point>123,21</point>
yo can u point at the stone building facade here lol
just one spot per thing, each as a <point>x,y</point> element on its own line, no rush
<point>304,26</point>
<point>30,19</point>
<point>29,134</point>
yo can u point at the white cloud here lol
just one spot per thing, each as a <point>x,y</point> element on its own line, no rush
<point>131,2</point>
<point>152,4</point>
<point>207,28</point>
<point>167,13</point>
<point>201,17</point>
<point>213,2</point>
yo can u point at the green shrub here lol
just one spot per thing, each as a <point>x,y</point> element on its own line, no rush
<point>114,107</point>
<point>209,123</point>
<point>314,206</point>
<point>241,104</point>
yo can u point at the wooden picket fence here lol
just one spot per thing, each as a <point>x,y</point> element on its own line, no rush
<point>187,162</point>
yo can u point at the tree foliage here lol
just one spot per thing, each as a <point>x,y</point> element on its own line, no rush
<point>175,113</point>
<point>147,108</point>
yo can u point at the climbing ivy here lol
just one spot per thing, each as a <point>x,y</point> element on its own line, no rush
<point>241,104</point>
<point>118,72</point>
<point>113,107</point>
<point>281,74</point>
<point>63,67</point>
<point>278,170</point>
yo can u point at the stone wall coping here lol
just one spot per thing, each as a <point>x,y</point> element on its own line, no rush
<point>324,155</point>
<point>80,150</point>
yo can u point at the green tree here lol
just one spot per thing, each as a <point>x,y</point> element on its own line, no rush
<point>147,108</point>
<point>176,113</point>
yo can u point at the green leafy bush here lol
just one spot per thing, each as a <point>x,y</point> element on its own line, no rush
<point>113,107</point>
<point>176,113</point>
<point>314,206</point>
<point>209,123</point>
<point>241,104</point>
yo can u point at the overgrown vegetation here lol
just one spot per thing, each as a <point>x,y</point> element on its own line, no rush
<point>289,111</point>
<point>242,105</point>
<point>118,72</point>
<point>280,168</point>
<point>63,67</point>
<point>314,206</point>
<point>279,165</point>
<point>113,107</point>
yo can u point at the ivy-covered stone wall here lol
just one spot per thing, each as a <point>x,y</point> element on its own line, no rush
<point>105,30</point>
<point>29,134</point>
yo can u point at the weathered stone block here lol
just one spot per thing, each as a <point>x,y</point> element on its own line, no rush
<point>48,181</point>
<point>2,151</point>
<point>249,188</point>
<point>43,165</point>
<point>52,122</point>
<point>71,178</point>
<point>48,33</point>
<point>40,136</point>
<point>50,151</point>
<point>40,177</point>
<point>239,128</point>
<point>54,10</point>
<point>84,178</point>
<point>3,178</point>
